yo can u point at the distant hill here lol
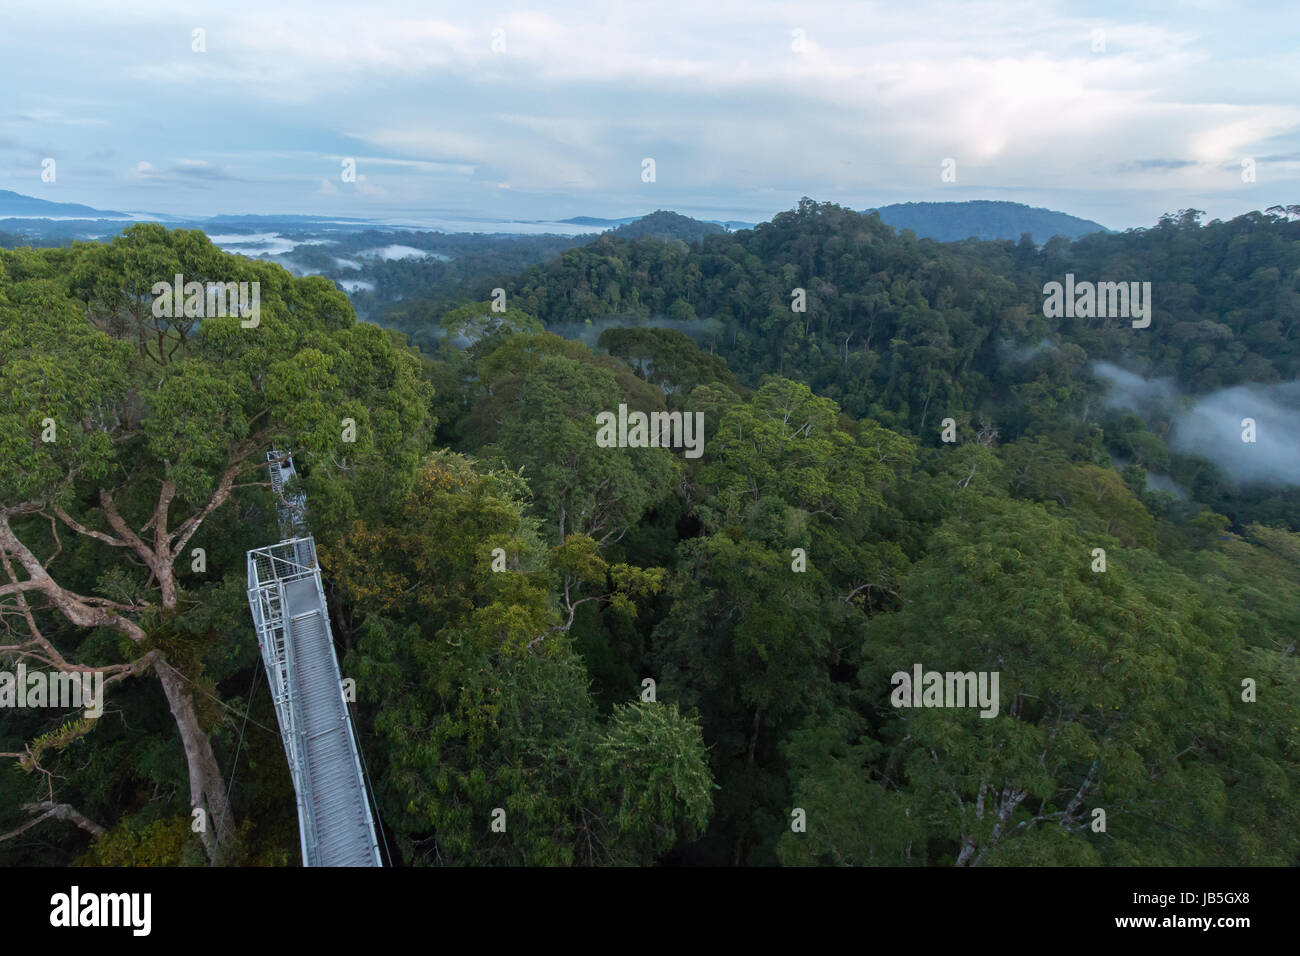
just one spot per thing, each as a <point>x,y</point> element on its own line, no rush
<point>17,206</point>
<point>596,221</point>
<point>984,219</point>
<point>663,224</point>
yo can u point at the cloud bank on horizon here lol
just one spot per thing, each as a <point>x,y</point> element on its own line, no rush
<point>1116,112</point>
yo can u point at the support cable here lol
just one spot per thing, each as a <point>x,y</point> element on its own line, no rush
<point>235,764</point>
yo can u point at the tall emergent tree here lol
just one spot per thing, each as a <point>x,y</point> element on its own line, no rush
<point>122,433</point>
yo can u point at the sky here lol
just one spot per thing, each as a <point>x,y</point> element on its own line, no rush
<point>1116,112</point>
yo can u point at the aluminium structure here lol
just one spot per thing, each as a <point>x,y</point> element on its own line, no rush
<point>293,631</point>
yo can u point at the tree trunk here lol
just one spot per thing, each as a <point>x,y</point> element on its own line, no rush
<point>207,789</point>
<point>753,740</point>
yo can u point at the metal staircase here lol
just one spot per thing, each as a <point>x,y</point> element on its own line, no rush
<point>289,612</point>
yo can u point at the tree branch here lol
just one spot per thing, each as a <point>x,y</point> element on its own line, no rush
<point>57,811</point>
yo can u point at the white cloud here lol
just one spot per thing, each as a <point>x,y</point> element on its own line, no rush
<point>883,92</point>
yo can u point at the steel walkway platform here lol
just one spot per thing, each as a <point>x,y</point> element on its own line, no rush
<point>290,614</point>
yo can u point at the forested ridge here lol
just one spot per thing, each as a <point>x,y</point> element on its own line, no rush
<point>502,589</point>
<point>984,219</point>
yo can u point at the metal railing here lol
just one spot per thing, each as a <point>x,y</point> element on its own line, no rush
<point>281,602</point>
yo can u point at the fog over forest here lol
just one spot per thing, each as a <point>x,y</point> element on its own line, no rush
<point>1212,425</point>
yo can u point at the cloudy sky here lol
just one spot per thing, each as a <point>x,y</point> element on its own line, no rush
<point>1117,112</point>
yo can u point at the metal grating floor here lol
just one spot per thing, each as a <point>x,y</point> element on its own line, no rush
<point>340,816</point>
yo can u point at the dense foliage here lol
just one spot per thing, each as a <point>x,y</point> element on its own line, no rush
<point>642,656</point>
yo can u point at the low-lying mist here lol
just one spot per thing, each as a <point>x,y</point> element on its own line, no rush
<point>1212,425</point>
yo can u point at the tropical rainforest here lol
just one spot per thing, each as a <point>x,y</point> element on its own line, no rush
<point>641,657</point>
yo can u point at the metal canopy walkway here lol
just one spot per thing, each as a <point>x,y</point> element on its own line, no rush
<point>288,605</point>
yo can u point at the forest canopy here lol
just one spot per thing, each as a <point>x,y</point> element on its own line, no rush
<point>639,656</point>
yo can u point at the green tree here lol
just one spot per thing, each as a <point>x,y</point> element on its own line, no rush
<point>483,708</point>
<point>124,434</point>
